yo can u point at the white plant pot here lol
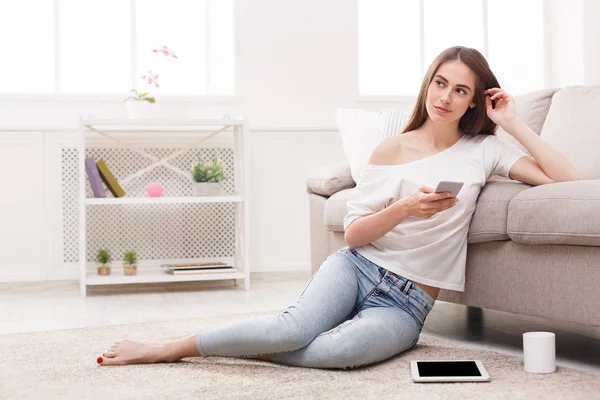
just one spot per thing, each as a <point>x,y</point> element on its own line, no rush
<point>137,109</point>
<point>207,188</point>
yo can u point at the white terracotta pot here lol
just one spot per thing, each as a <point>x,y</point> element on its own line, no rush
<point>137,109</point>
<point>207,188</point>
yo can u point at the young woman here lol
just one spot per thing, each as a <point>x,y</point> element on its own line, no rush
<point>369,300</point>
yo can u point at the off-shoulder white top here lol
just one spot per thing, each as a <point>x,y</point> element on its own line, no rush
<point>432,251</point>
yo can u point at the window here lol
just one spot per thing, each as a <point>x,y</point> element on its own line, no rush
<point>448,23</point>
<point>27,64</point>
<point>516,55</point>
<point>388,47</point>
<point>398,40</point>
<point>94,53</point>
<point>104,46</point>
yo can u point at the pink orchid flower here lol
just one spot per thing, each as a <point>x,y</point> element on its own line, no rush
<point>151,78</point>
<point>165,51</point>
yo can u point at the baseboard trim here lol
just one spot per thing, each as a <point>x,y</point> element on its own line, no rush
<point>70,272</point>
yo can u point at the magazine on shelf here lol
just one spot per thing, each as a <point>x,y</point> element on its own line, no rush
<point>94,177</point>
<point>200,271</point>
<point>197,266</point>
<point>109,179</point>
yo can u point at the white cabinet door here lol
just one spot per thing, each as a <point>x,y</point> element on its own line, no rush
<point>23,239</point>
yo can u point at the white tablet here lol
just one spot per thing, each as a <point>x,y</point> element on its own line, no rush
<point>448,371</point>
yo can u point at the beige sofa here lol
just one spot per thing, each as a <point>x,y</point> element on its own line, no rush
<point>531,250</point>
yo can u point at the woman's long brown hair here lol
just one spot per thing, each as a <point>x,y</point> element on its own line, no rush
<point>475,120</point>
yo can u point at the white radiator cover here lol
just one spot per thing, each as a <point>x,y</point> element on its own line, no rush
<point>154,231</point>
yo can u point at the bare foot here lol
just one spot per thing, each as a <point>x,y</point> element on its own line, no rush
<point>131,352</point>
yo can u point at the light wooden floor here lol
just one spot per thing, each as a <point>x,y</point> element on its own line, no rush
<point>28,307</point>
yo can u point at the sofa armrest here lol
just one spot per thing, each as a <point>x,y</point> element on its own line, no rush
<point>557,213</point>
<point>329,179</point>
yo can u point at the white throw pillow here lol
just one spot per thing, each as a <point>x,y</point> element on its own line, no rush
<point>361,131</point>
<point>393,121</point>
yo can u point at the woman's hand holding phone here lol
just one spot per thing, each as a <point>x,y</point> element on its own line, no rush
<point>424,203</point>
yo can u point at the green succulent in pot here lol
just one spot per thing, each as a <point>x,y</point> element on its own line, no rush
<point>103,257</point>
<point>129,262</point>
<point>208,177</point>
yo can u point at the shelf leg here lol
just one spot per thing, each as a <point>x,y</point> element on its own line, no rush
<point>82,212</point>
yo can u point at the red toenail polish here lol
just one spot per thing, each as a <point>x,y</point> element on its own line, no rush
<point>99,360</point>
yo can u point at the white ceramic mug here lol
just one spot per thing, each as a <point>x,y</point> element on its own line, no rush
<point>539,352</point>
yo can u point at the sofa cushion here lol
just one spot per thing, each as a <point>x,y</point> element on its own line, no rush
<point>557,213</point>
<point>531,108</point>
<point>329,179</point>
<point>491,211</point>
<point>573,126</point>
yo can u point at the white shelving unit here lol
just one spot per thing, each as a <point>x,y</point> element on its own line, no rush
<point>149,271</point>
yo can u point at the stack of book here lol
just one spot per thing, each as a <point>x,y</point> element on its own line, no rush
<point>198,268</point>
<point>97,173</point>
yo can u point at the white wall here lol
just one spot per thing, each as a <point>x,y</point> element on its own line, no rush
<point>297,62</point>
<point>566,33</point>
<point>591,12</point>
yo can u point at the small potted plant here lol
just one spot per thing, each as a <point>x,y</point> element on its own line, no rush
<point>129,262</point>
<point>103,257</point>
<point>137,104</point>
<point>208,177</point>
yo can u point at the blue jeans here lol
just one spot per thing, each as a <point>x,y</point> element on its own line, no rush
<point>351,313</point>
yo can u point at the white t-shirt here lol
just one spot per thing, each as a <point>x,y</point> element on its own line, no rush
<point>432,251</point>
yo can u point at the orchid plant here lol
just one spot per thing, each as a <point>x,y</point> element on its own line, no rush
<point>150,77</point>
<point>134,95</point>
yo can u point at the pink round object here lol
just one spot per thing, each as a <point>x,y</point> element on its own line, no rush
<point>155,190</point>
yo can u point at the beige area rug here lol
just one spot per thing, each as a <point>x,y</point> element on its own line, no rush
<point>62,365</point>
